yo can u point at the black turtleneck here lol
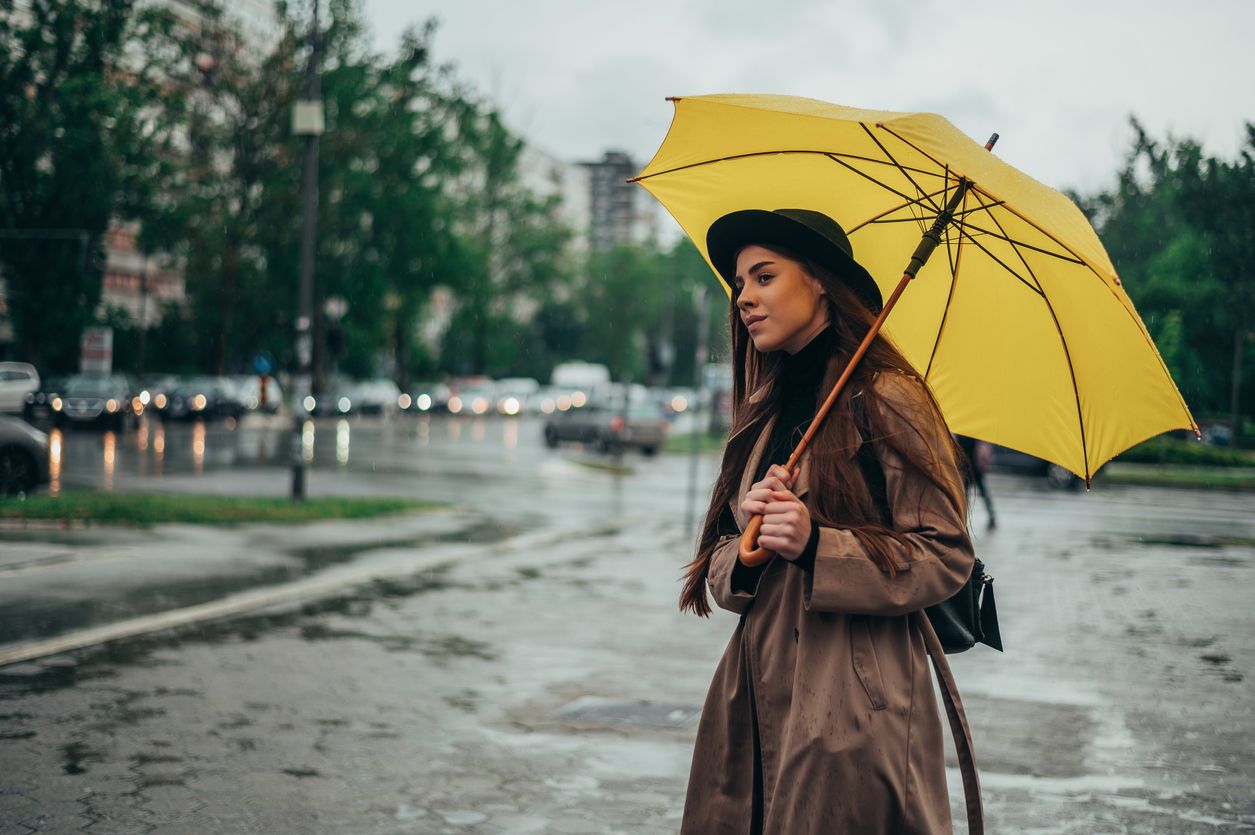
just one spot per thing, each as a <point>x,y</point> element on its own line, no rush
<point>803,374</point>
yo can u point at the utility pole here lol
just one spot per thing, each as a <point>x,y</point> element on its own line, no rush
<point>307,121</point>
<point>699,360</point>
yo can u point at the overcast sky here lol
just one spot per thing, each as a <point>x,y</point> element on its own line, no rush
<point>1057,79</point>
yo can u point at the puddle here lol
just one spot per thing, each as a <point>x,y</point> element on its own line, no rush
<point>615,713</point>
<point>35,617</point>
<point>105,661</point>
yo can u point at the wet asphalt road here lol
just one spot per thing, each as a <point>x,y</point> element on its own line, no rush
<point>551,686</point>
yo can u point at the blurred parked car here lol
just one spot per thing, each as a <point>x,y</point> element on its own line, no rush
<point>17,379</point>
<point>203,398</point>
<point>428,397</point>
<point>23,457</point>
<point>516,395</point>
<point>472,401</point>
<point>375,397</point>
<point>38,405</point>
<point>154,391</point>
<point>94,399</point>
<point>602,426</point>
<point>1014,461</point>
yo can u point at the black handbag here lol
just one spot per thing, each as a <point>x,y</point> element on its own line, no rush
<point>968,618</point>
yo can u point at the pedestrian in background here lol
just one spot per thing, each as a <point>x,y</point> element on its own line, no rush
<point>980,456</point>
<point>821,717</point>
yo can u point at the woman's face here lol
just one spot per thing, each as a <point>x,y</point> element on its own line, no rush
<point>781,306</point>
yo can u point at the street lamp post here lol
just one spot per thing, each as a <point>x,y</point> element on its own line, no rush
<point>699,361</point>
<point>307,121</point>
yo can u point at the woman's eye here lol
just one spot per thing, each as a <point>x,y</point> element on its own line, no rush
<point>763,278</point>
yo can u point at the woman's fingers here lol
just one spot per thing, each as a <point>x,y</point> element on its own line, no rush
<point>769,483</point>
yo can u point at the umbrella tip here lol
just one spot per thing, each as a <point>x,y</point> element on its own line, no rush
<point>673,98</point>
<point>989,146</point>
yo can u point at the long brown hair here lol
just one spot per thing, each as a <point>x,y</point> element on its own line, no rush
<point>839,496</point>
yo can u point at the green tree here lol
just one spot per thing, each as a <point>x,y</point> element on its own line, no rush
<point>79,146</point>
<point>515,256</point>
<point>1178,228</point>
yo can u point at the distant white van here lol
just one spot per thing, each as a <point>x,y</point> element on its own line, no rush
<point>578,374</point>
<point>17,379</point>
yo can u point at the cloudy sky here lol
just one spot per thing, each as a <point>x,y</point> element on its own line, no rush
<point>1058,79</point>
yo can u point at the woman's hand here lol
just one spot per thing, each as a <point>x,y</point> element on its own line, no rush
<point>786,521</point>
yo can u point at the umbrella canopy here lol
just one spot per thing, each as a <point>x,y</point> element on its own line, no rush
<point>1018,322</point>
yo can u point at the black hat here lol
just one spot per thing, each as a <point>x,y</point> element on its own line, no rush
<point>809,233</point>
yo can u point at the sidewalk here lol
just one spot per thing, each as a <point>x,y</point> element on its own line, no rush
<point>553,689</point>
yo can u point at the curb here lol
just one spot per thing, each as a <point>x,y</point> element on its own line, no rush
<point>310,588</point>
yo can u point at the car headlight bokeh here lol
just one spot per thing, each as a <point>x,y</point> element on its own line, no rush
<point>57,404</point>
<point>111,405</point>
<point>424,402</point>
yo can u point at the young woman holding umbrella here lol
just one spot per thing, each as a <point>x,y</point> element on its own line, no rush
<point>821,716</point>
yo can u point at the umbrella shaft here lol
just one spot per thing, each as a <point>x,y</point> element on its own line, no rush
<point>932,237</point>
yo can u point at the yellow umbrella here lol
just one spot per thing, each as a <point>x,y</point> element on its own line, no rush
<point>1018,322</point>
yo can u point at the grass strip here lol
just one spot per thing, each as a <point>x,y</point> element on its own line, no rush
<point>605,466</point>
<point>1197,478</point>
<point>706,442</point>
<point>1168,450</point>
<point>143,509</point>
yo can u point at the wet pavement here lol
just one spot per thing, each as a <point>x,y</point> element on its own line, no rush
<point>537,681</point>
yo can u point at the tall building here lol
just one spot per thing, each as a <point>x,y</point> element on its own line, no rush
<point>545,175</point>
<point>620,213</point>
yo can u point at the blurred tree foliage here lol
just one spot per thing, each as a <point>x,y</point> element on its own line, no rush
<point>1180,228</point>
<point>78,82</point>
<point>111,114</point>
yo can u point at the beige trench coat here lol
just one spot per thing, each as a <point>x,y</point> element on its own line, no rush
<point>825,686</point>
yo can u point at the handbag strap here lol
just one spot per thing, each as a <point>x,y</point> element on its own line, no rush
<point>875,478</point>
<point>958,725</point>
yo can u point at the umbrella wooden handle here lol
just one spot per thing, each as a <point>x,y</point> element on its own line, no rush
<point>750,554</point>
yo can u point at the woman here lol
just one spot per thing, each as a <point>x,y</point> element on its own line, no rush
<point>821,716</point>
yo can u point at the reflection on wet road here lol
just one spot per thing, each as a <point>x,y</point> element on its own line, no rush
<point>108,459</point>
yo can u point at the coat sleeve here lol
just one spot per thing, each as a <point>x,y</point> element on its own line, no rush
<point>723,563</point>
<point>936,558</point>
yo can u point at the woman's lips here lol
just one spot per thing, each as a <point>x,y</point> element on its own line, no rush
<point>756,320</point>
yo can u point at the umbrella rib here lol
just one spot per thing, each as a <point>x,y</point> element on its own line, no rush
<point>1001,263</point>
<point>1063,341</point>
<point>880,217</point>
<point>896,164</point>
<point>907,142</point>
<point>909,200</point>
<point>956,263</point>
<point>975,187</point>
<point>1003,236</point>
<point>1132,314</point>
<point>735,157</point>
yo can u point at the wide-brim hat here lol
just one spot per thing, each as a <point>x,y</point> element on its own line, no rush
<point>808,233</point>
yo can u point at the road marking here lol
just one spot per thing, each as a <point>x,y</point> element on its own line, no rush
<point>320,585</point>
